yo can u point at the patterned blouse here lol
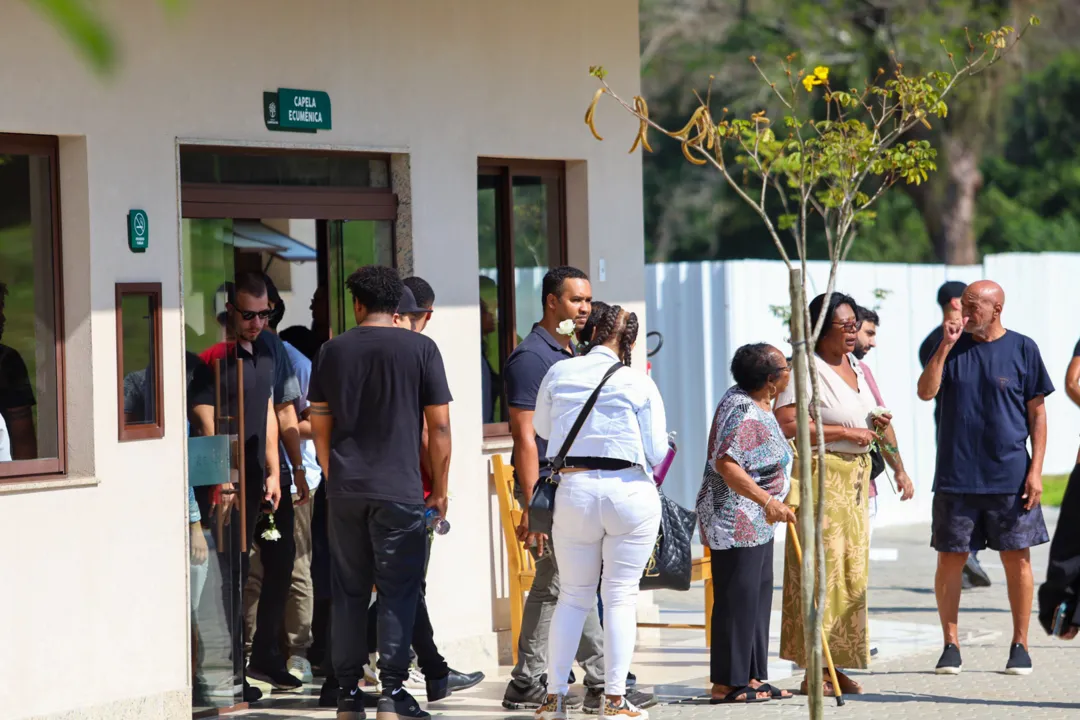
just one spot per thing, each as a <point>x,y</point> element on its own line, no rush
<point>751,437</point>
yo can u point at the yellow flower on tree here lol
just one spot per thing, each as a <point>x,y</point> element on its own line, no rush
<point>820,77</point>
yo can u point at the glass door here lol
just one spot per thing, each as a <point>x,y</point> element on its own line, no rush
<point>352,244</point>
<point>216,511</point>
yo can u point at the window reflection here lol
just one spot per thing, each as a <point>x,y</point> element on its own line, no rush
<point>138,357</point>
<point>520,229</point>
<point>29,417</point>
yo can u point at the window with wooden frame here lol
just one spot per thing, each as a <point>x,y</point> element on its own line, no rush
<point>140,391</point>
<point>31,309</point>
<point>522,234</point>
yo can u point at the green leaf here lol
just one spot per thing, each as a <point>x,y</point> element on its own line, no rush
<point>787,221</point>
<point>84,27</point>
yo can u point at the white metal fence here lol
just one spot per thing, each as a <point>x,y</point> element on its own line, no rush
<point>706,310</point>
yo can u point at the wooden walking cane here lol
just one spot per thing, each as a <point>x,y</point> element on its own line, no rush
<point>824,640</point>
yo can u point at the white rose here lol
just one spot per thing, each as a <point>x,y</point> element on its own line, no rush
<point>566,327</point>
<point>879,411</point>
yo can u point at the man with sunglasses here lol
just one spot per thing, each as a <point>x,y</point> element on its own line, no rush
<point>269,389</point>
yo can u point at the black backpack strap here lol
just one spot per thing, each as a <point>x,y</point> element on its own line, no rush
<point>559,460</point>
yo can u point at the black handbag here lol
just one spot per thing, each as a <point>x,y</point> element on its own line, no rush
<point>877,463</point>
<point>671,565</point>
<point>542,503</point>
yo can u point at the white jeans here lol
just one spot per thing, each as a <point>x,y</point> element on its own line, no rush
<point>607,519</point>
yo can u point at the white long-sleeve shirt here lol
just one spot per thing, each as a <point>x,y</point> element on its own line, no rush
<point>627,423</point>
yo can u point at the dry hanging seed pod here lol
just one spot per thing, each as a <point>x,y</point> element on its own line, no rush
<point>591,112</point>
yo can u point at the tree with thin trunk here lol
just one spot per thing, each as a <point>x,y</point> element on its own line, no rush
<point>831,156</point>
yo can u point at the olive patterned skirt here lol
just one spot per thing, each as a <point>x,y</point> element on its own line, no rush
<point>847,565</point>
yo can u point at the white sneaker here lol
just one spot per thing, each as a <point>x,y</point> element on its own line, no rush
<point>416,679</point>
<point>624,709</point>
<point>552,709</point>
<point>300,668</point>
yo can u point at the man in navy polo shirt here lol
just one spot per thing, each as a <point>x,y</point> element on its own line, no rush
<point>991,385</point>
<point>567,300</point>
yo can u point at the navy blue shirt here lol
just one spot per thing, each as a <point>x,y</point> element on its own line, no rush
<point>526,368</point>
<point>985,389</point>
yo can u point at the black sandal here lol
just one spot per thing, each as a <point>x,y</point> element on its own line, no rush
<point>743,695</point>
<point>775,692</point>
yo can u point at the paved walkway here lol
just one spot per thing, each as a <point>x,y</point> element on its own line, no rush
<point>901,684</point>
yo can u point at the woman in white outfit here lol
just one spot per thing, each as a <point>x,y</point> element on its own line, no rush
<point>607,509</point>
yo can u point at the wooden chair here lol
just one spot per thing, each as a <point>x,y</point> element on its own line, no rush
<point>701,569</point>
<point>521,568</point>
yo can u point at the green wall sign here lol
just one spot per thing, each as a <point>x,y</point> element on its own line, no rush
<point>296,110</point>
<point>138,231</point>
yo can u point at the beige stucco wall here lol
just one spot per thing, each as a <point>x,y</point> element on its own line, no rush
<point>95,600</point>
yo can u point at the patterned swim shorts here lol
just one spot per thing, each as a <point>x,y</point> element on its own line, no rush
<point>965,522</point>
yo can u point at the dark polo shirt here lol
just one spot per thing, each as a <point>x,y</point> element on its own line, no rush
<point>260,378</point>
<point>525,370</point>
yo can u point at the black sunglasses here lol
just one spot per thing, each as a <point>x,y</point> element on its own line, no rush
<point>249,315</point>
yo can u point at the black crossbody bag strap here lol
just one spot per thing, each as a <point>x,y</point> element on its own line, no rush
<point>559,460</point>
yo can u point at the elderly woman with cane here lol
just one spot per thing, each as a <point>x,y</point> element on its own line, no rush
<point>741,500</point>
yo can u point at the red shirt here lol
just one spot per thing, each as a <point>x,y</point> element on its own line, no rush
<point>220,351</point>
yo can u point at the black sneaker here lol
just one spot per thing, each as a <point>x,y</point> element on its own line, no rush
<point>528,698</point>
<point>950,662</point>
<point>519,698</point>
<point>328,695</point>
<point>252,694</point>
<point>1019,661</point>
<point>280,679</point>
<point>350,705</point>
<point>641,700</point>
<point>594,700</point>
<point>974,573</point>
<point>398,705</point>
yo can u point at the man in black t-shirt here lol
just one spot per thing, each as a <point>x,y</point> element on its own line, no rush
<point>371,390</point>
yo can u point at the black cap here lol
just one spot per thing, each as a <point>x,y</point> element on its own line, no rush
<point>949,292</point>
<point>408,305</point>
